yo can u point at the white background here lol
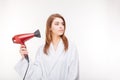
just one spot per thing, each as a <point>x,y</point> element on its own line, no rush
<point>93,25</point>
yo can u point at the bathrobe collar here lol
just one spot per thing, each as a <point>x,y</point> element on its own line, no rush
<point>60,48</point>
<point>54,56</point>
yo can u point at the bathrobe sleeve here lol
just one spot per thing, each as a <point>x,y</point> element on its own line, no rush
<point>34,70</point>
<point>73,72</point>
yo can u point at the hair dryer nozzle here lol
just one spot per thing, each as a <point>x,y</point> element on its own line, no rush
<point>37,33</point>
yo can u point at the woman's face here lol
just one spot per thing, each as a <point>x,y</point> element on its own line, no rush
<point>57,27</point>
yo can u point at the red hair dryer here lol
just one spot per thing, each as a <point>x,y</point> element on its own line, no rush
<point>22,38</point>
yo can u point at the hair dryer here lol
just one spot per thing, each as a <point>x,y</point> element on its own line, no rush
<point>22,38</point>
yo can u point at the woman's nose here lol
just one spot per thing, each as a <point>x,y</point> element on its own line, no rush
<point>61,26</point>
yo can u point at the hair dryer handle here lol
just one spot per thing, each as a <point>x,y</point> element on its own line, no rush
<point>25,55</point>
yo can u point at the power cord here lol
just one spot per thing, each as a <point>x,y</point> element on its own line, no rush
<point>27,58</point>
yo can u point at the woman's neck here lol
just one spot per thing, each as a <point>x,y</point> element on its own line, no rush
<point>55,41</point>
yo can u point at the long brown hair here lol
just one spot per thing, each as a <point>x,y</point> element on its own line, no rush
<point>49,35</point>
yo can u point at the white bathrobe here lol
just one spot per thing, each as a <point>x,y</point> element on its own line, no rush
<point>57,65</point>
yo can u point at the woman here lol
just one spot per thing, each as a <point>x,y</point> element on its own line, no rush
<point>57,59</point>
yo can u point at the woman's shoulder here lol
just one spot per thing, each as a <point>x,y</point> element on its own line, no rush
<point>72,50</point>
<point>71,44</point>
<point>41,46</point>
<point>40,49</point>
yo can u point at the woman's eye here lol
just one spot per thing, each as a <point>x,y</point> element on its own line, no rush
<point>57,23</point>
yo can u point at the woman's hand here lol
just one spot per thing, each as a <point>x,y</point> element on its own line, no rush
<point>23,51</point>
